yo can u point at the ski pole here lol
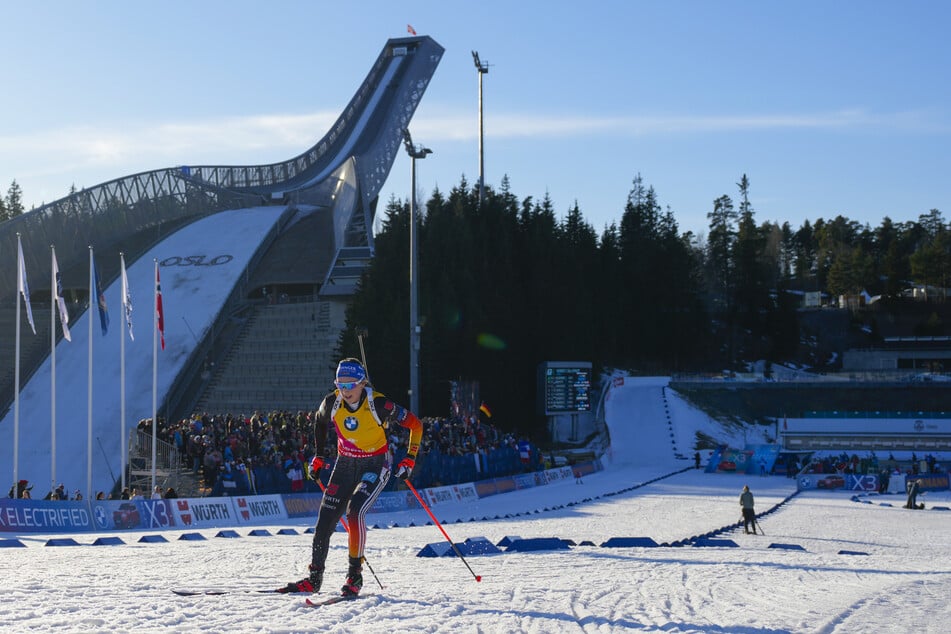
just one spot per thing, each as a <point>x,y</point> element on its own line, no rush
<point>347,528</point>
<point>361,333</point>
<point>448,539</point>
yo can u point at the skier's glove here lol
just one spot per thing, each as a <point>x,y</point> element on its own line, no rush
<point>316,464</point>
<point>405,468</point>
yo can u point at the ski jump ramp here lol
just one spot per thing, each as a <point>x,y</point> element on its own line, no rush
<point>221,218</point>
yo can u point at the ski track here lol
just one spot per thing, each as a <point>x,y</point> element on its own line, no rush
<point>901,585</point>
<point>751,589</point>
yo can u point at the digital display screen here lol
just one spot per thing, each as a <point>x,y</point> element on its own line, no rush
<point>566,388</point>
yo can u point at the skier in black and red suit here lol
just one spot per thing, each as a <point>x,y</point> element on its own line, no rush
<point>362,417</point>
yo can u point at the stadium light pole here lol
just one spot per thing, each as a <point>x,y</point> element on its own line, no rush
<point>415,152</point>
<point>483,68</point>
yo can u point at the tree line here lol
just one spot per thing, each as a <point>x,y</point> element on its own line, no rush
<point>509,284</point>
<point>11,205</point>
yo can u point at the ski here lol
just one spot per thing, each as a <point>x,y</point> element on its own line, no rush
<point>316,603</point>
<point>213,592</point>
<point>311,601</point>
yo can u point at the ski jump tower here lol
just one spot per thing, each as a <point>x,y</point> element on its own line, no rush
<point>340,176</point>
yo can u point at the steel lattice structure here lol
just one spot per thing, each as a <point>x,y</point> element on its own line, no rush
<point>368,132</point>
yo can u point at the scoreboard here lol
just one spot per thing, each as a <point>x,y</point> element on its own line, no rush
<point>564,387</point>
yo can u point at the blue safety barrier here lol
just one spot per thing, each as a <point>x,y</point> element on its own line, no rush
<point>538,543</point>
<point>480,546</point>
<point>152,539</point>
<point>715,543</point>
<point>436,549</point>
<point>629,542</point>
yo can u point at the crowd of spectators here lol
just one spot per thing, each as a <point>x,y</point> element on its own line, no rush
<point>870,463</point>
<point>267,451</point>
<point>24,491</point>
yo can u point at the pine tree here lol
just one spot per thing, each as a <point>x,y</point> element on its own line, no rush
<point>14,202</point>
<point>749,272</point>
<point>721,238</point>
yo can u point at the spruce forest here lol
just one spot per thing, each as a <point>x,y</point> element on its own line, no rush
<point>510,284</point>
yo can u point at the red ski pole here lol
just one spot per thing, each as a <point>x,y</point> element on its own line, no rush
<point>347,528</point>
<point>436,522</point>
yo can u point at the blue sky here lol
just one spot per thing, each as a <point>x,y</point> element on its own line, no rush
<point>829,108</point>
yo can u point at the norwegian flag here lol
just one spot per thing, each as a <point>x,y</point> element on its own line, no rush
<point>410,29</point>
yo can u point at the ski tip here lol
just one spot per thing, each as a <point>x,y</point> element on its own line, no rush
<point>339,598</point>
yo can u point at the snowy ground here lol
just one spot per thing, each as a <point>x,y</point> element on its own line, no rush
<point>902,584</point>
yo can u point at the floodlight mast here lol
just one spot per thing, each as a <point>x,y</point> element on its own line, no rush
<point>415,152</point>
<point>483,68</point>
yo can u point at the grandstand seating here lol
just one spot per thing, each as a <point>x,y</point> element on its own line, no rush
<point>875,430</point>
<point>284,358</point>
<point>866,443</point>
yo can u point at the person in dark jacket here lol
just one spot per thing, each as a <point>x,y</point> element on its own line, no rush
<point>17,490</point>
<point>914,488</point>
<point>749,515</point>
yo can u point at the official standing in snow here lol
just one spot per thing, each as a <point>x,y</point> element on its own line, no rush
<point>749,515</point>
<point>914,488</point>
<point>362,418</point>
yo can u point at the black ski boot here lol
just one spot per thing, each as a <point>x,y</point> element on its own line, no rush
<point>309,584</point>
<point>354,578</point>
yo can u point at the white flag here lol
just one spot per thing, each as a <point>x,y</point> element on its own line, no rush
<point>60,302</point>
<point>22,286</point>
<point>126,297</point>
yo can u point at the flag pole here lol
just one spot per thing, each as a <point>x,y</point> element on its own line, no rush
<point>52,366</point>
<point>56,303</point>
<point>16,374</point>
<point>155,292</point>
<point>92,298</point>
<point>122,440</point>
